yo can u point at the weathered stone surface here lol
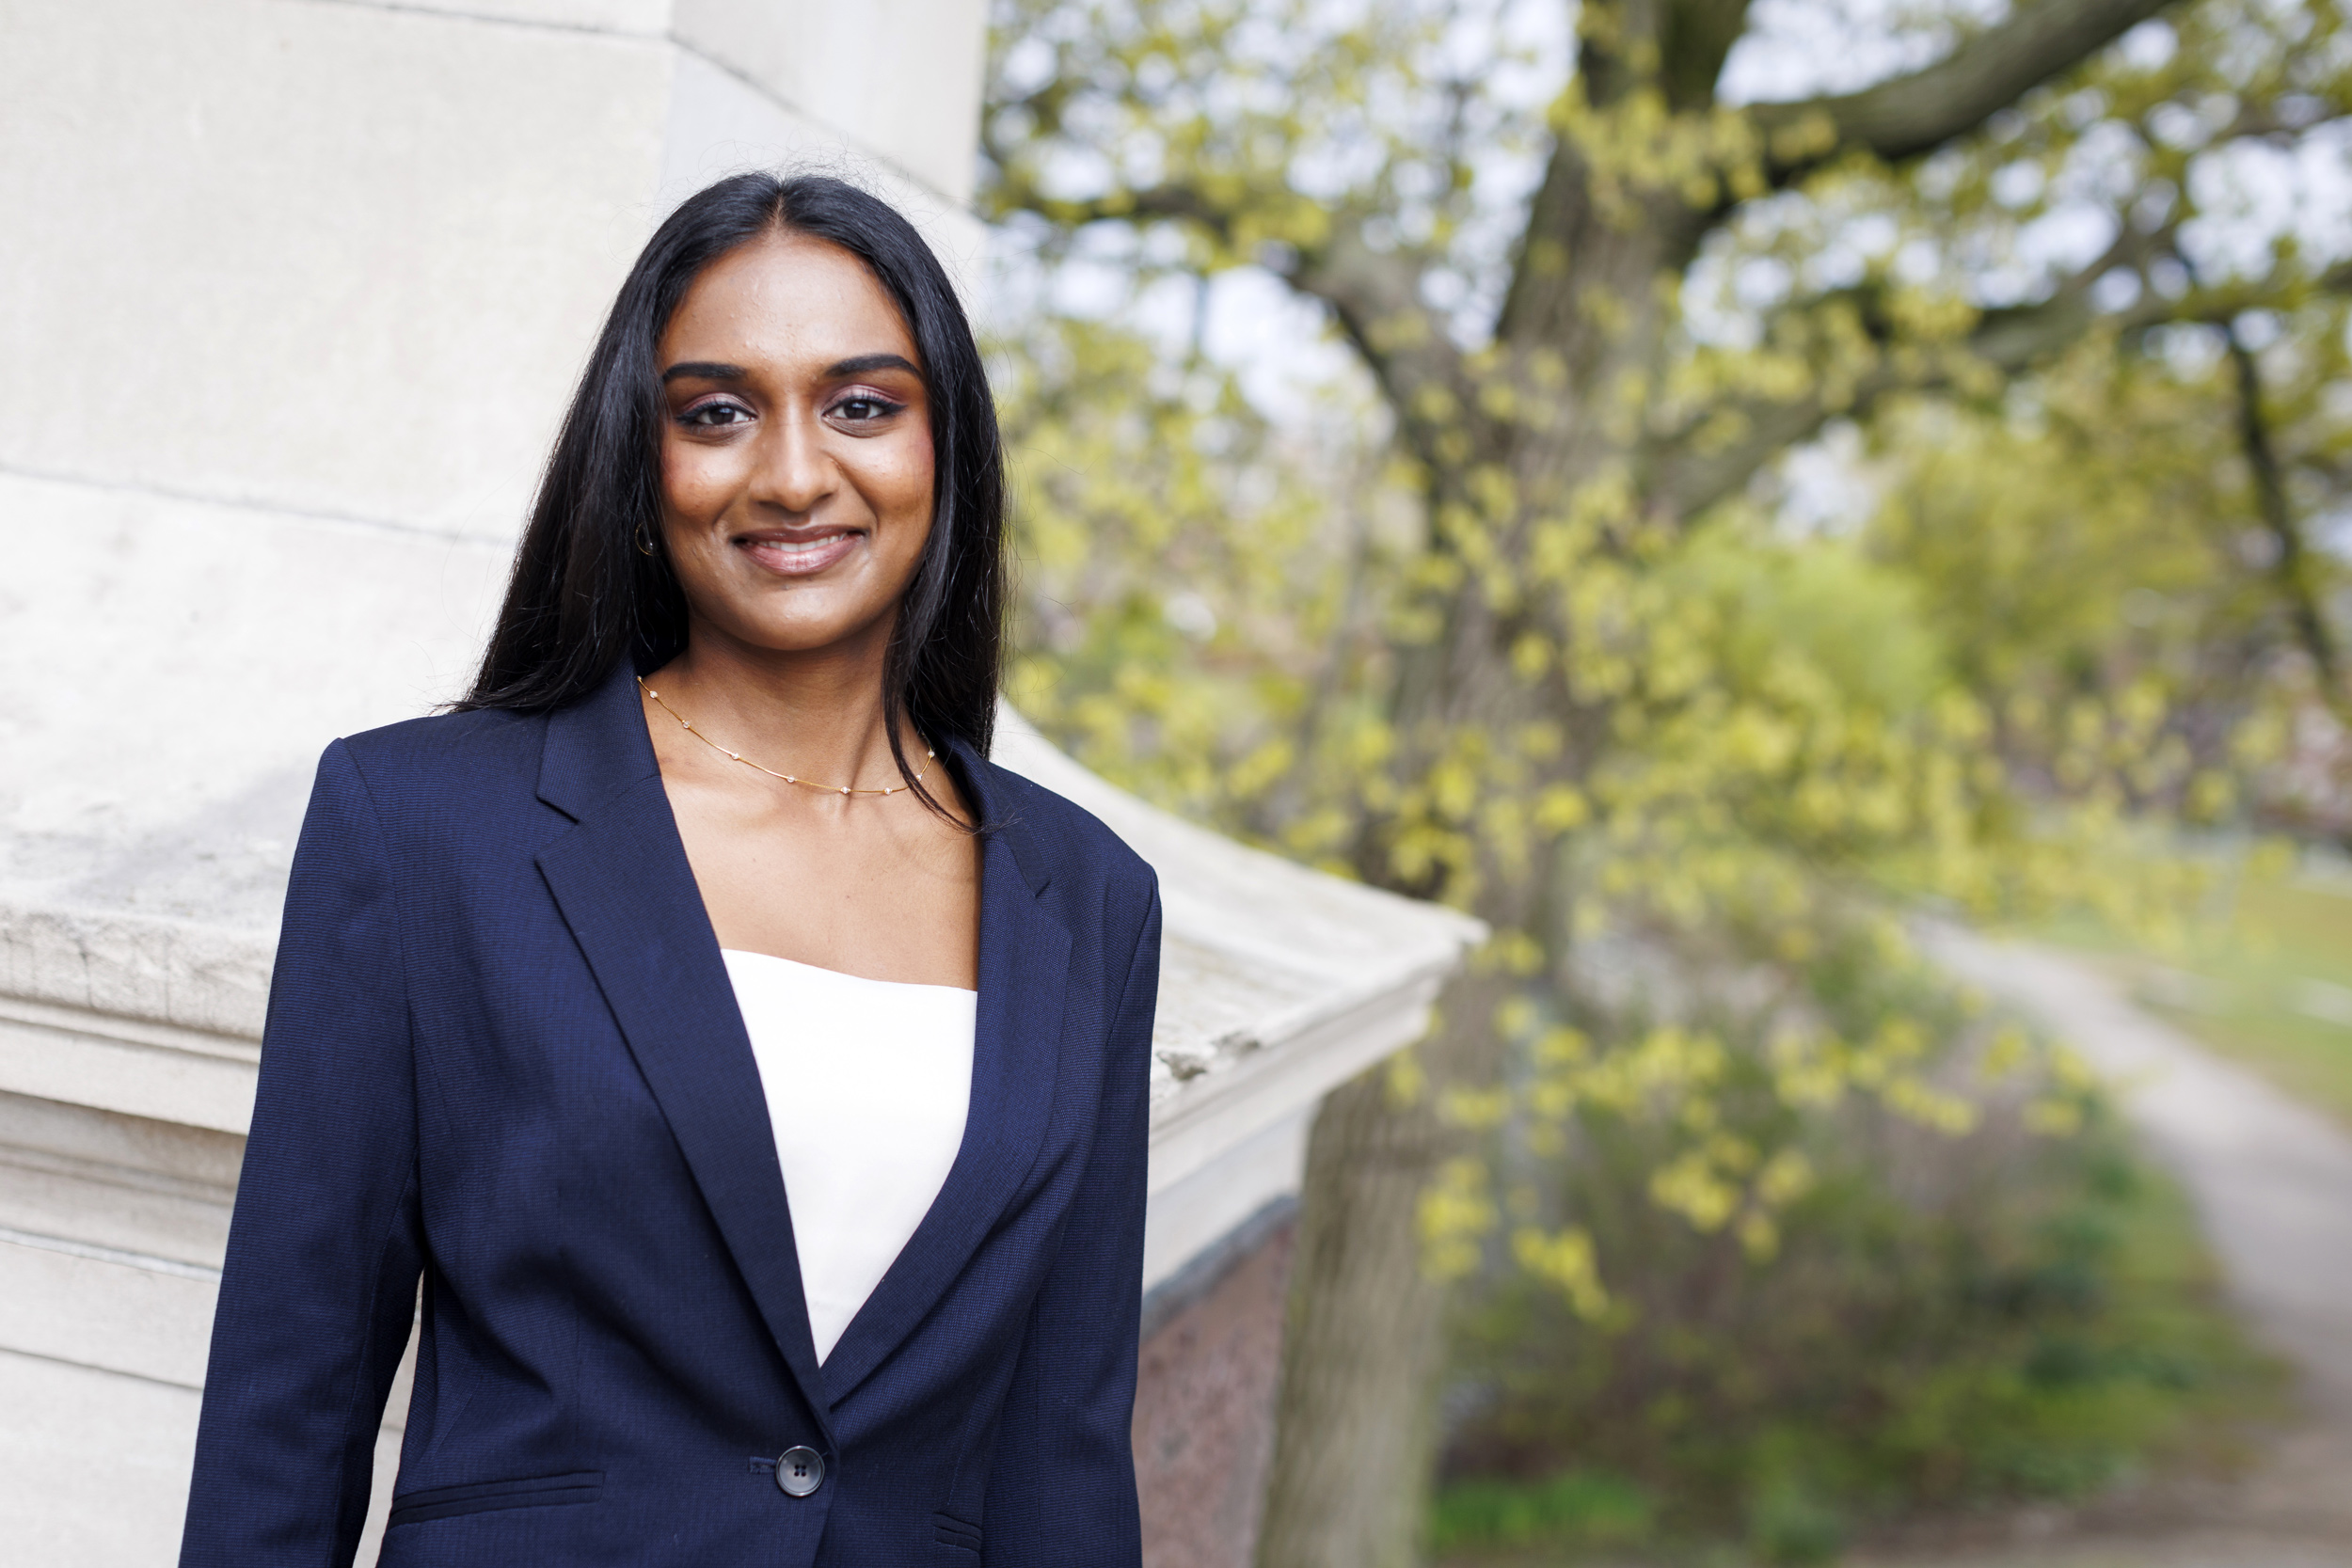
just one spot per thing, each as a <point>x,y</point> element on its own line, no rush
<point>1204,1410</point>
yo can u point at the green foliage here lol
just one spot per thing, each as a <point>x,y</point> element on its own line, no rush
<point>1196,591</point>
<point>2085,556</point>
<point>2004,1317</point>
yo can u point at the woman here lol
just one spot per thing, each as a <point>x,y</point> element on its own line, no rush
<point>754,1074</point>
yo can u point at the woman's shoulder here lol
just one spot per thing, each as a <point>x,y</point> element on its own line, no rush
<point>1070,842</point>
<point>404,793</point>
<point>466,751</point>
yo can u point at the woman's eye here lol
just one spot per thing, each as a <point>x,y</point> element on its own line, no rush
<point>860,410</point>
<point>715,416</point>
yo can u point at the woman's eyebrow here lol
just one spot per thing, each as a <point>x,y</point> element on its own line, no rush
<point>703,370</point>
<point>864,363</point>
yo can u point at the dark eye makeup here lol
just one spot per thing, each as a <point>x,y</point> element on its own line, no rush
<point>715,415</point>
<point>864,407</point>
<point>723,413</point>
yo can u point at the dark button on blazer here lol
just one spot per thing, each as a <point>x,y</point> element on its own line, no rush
<point>503,1056</point>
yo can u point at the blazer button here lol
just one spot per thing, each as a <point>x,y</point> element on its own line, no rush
<point>800,1471</point>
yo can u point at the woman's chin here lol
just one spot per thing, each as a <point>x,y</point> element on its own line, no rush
<point>811,629</point>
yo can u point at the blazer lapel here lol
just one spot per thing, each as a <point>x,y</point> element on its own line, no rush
<point>1016,1051</point>
<point>621,878</point>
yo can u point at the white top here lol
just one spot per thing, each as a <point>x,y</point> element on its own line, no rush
<point>868,1084</point>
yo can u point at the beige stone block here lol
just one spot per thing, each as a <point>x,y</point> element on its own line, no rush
<point>648,17</point>
<point>334,258</point>
<point>126,1183</point>
<point>128,1066</point>
<point>902,77</point>
<point>95,1310</point>
<point>94,966</point>
<point>93,1465</point>
<point>720,124</point>
<point>197,655</point>
<point>1185,1217</point>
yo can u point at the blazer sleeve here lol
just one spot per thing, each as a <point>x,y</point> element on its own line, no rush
<point>324,1247</point>
<point>1062,1488</point>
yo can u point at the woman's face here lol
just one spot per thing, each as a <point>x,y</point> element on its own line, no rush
<point>796,461</point>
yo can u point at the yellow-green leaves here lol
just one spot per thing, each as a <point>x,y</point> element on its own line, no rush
<point>1565,1260</point>
<point>1512,619</point>
<point>1456,1212</point>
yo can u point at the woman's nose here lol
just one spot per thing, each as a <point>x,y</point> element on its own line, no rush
<point>794,472</point>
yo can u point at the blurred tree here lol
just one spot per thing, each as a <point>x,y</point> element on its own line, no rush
<point>1592,306</point>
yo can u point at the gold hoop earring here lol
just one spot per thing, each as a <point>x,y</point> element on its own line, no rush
<point>644,541</point>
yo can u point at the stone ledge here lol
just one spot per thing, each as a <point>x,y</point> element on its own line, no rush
<point>162,1018</point>
<point>139,972</point>
<point>129,1065</point>
<point>1278,983</point>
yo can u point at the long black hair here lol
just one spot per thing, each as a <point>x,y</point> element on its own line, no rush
<point>585,593</point>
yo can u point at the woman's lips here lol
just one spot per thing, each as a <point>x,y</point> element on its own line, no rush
<point>799,556</point>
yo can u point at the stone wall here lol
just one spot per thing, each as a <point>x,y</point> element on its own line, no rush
<point>1205,1401</point>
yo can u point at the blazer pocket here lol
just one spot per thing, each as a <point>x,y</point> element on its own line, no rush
<point>948,1530</point>
<point>447,1502</point>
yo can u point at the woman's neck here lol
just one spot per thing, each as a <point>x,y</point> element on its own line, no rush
<point>817,714</point>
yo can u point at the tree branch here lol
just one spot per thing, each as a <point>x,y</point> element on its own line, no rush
<point>2292,569</point>
<point>1920,112</point>
<point>1374,295</point>
<point>1689,475</point>
<point>1179,202</point>
<point>1695,38</point>
<point>1377,296</point>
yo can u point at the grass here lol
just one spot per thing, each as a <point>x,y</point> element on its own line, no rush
<point>1578,1511</point>
<point>2271,986</point>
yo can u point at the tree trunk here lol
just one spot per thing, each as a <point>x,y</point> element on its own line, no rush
<point>1356,1421</point>
<point>1357,1416</point>
<point>1363,1344</point>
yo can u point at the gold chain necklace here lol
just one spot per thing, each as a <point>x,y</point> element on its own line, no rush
<point>688,725</point>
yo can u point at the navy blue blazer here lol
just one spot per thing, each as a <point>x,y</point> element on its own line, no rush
<point>503,1056</point>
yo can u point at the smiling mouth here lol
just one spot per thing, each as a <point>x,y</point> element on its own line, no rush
<point>798,554</point>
